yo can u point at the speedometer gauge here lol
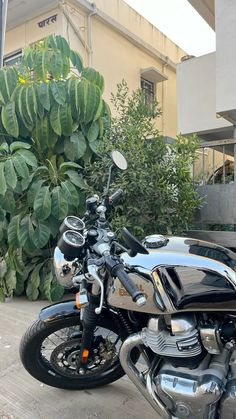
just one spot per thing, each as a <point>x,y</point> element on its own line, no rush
<point>71,244</point>
<point>72,223</point>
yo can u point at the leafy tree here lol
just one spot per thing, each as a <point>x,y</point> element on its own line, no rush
<point>159,196</point>
<point>52,119</point>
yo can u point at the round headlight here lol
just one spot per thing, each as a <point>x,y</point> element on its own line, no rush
<point>64,269</point>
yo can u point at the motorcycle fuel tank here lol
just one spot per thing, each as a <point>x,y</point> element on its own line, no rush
<point>188,275</point>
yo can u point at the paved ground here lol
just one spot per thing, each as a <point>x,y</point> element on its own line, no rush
<point>22,397</point>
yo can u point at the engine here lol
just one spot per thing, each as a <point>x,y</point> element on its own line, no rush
<point>197,378</point>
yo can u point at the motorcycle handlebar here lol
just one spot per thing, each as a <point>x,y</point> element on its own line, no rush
<point>117,270</point>
<point>116,196</point>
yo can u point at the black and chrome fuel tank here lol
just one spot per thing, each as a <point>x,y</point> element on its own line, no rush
<point>187,274</point>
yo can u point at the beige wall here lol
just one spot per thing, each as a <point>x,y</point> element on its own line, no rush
<point>115,56</point>
<point>29,32</point>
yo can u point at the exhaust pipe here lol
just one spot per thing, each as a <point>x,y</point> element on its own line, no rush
<point>145,387</point>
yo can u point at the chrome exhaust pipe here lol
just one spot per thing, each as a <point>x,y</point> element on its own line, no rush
<point>145,387</point>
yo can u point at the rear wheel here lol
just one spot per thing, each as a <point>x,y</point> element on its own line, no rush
<point>49,352</point>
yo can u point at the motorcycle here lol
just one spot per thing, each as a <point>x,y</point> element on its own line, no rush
<point>162,311</point>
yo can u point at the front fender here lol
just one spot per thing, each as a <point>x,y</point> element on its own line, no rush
<point>67,309</point>
<point>58,311</point>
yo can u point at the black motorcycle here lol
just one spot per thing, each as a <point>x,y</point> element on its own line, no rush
<point>168,301</point>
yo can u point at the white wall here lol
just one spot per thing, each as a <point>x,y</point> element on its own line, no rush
<point>196,96</point>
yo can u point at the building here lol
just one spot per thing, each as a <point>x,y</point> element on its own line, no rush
<point>111,37</point>
<point>206,91</point>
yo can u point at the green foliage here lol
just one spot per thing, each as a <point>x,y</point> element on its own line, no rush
<point>50,111</point>
<point>159,195</point>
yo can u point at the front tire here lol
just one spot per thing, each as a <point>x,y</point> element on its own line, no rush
<point>58,369</point>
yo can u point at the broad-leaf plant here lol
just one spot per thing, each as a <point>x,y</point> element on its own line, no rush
<point>52,119</point>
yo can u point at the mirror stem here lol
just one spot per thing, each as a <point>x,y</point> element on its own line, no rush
<point>109,179</point>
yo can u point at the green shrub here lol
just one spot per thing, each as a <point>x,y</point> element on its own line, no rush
<point>159,196</point>
<point>52,119</point>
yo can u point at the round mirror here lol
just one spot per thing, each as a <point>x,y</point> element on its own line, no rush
<point>119,160</point>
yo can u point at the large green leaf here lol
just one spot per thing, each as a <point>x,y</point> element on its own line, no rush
<point>89,98</point>
<point>57,65</point>
<point>20,166</point>
<point>42,133</point>
<point>42,203</point>
<point>31,103</point>
<point>8,81</point>
<point>32,191</point>
<point>8,203</point>
<point>72,86</point>
<point>57,290</point>
<point>24,107</point>
<point>25,234</point>
<point>10,174</point>
<point>9,119</point>
<point>13,231</point>
<point>94,76</point>
<point>17,259</point>
<point>59,203</point>
<point>19,144</point>
<point>70,192</point>
<point>93,131</point>
<point>39,106</point>
<point>50,42</point>
<point>76,179</point>
<point>32,291</point>
<point>66,120</point>
<point>10,281</point>
<point>94,146</point>
<point>19,95</point>
<point>43,95</point>
<point>41,234</point>
<point>76,60</point>
<point>28,156</point>
<point>54,225</point>
<point>76,146</point>
<point>3,185</point>
<point>55,119</point>
<point>68,165</point>
<point>45,285</point>
<point>62,45</point>
<point>58,91</point>
<point>42,64</point>
<point>82,98</point>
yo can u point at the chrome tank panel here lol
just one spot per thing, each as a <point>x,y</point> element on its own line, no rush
<point>190,275</point>
<point>118,297</point>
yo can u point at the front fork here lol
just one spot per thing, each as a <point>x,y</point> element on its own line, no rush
<point>89,319</point>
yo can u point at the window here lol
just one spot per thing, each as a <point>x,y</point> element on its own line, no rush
<point>13,59</point>
<point>148,91</point>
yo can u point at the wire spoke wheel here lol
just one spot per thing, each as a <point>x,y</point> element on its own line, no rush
<point>62,350</point>
<point>50,352</point>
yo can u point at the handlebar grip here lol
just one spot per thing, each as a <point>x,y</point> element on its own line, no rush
<point>137,296</point>
<point>116,196</point>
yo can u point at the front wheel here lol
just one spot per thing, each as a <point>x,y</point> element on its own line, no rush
<point>49,352</point>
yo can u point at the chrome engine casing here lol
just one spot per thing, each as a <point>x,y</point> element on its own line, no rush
<point>179,389</point>
<point>194,394</point>
<point>182,342</point>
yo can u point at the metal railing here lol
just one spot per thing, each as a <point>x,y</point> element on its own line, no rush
<point>213,170</point>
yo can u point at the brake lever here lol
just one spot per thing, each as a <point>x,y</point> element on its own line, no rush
<point>93,271</point>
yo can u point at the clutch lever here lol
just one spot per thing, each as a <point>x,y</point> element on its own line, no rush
<point>93,271</point>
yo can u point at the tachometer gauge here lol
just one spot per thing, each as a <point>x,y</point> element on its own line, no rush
<point>71,244</point>
<point>72,223</point>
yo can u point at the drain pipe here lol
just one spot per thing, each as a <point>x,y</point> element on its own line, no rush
<point>89,34</point>
<point>3,19</point>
